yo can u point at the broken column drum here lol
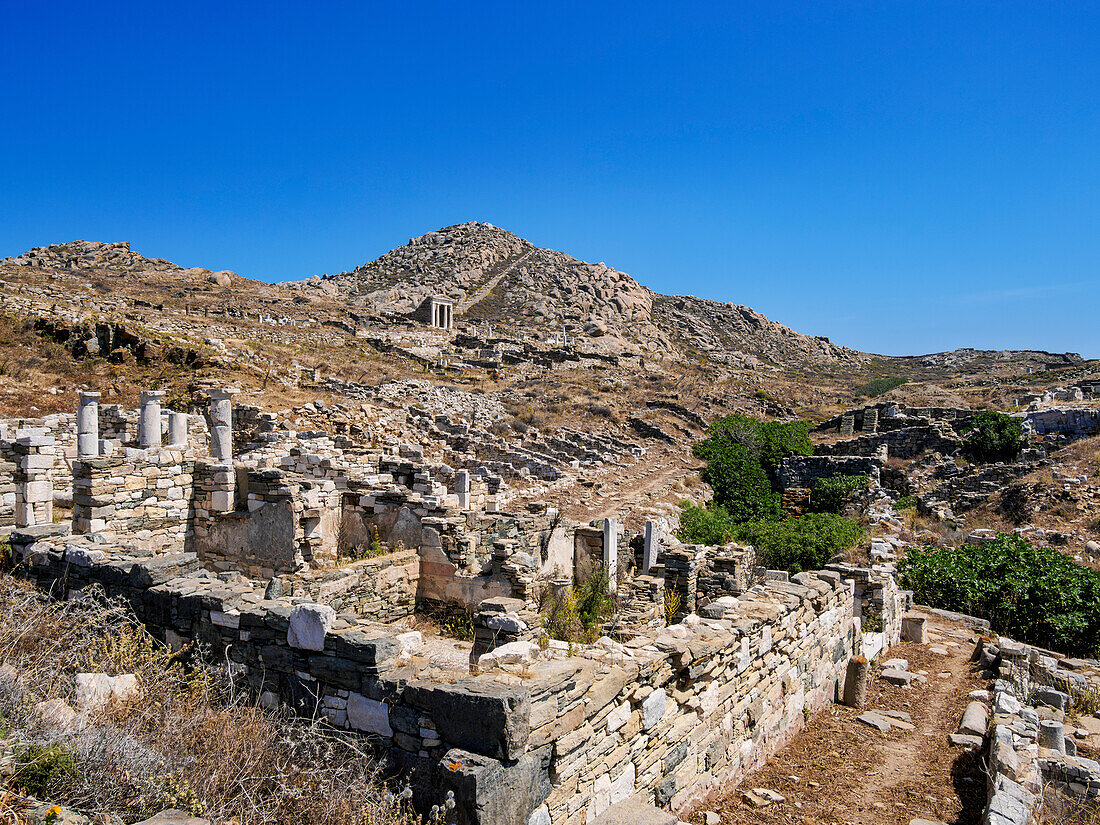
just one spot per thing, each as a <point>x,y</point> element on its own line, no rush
<point>177,429</point>
<point>221,424</point>
<point>87,425</point>
<point>149,431</point>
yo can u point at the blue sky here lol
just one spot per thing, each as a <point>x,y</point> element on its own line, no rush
<point>904,177</point>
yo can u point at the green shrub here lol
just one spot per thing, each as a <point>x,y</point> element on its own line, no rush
<point>740,484</point>
<point>803,543</point>
<point>829,494</point>
<point>993,436</point>
<point>879,386</point>
<point>36,765</point>
<point>767,441</point>
<point>576,618</point>
<point>907,503</point>
<point>1034,594</point>
<point>711,525</point>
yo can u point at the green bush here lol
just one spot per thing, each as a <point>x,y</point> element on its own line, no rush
<point>740,484</point>
<point>1031,593</point>
<point>829,494</point>
<point>907,503</point>
<point>879,386</point>
<point>706,525</point>
<point>993,436</point>
<point>803,543</point>
<point>36,765</point>
<point>767,441</point>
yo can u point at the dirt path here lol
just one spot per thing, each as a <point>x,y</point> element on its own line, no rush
<point>632,493</point>
<point>839,770</point>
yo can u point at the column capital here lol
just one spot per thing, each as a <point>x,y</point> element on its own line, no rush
<point>88,396</point>
<point>220,393</point>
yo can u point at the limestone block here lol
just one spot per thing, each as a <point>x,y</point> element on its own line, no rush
<point>36,491</point>
<point>83,556</point>
<point>95,689</point>
<point>653,709</point>
<point>369,715</point>
<point>975,719</point>
<point>172,816</point>
<point>411,642</point>
<point>308,625</point>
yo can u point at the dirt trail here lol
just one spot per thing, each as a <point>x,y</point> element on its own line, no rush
<point>839,770</point>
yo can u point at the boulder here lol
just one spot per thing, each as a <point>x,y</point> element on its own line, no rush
<point>96,689</point>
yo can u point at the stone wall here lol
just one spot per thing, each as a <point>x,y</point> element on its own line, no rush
<point>147,496</point>
<point>558,738</point>
<point>907,442</point>
<point>804,470</point>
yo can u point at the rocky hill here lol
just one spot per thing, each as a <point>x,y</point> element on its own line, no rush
<point>107,258</point>
<point>496,277</point>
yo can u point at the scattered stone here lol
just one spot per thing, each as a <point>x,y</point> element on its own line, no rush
<point>875,720</point>
<point>898,678</point>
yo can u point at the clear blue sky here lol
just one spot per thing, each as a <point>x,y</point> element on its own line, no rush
<point>903,177</point>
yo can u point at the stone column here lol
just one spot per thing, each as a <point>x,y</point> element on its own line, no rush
<point>149,434</point>
<point>87,426</point>
<point>221,424</point>
<point>1052,735</point>
<point>177,429</point>
<point>33,485</point>
<point>649,555</point>
<point>611,553</point>
<point>462,489</point>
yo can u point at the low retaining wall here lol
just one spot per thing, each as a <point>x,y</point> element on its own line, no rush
<point>668,717</point>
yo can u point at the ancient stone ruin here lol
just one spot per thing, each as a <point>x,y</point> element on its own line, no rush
<point>300,557</point>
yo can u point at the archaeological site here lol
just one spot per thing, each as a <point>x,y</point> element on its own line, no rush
<point>535,545</point>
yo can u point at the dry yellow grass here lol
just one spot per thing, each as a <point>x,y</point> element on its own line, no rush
<point>190,739</point>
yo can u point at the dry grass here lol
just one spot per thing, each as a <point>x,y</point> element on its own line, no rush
<point>190,740</point>
<point>1059,809</point>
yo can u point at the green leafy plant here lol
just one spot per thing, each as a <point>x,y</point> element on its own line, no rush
<point>829,494</point>
<point>1032,593</point>
<point>993,436</point>
<point>577,616</point>
<point>740,484</point>
<point>907,503</point>
<point>803,543</point>
<point>36,765</point>
<point>710,525</point>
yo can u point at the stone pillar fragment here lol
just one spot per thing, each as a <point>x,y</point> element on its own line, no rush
<point>855,681</point>
<point>611,553</point>
<point>177,429</point>
<point>87,426</point>
<point>649,554</point>
<point>149,432</point>
<point>33,484</point>
<point>462,489</point>
<point>221,424</point>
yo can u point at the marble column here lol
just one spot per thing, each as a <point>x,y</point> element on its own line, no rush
<point>149,434</point>
<point>87,425</point>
